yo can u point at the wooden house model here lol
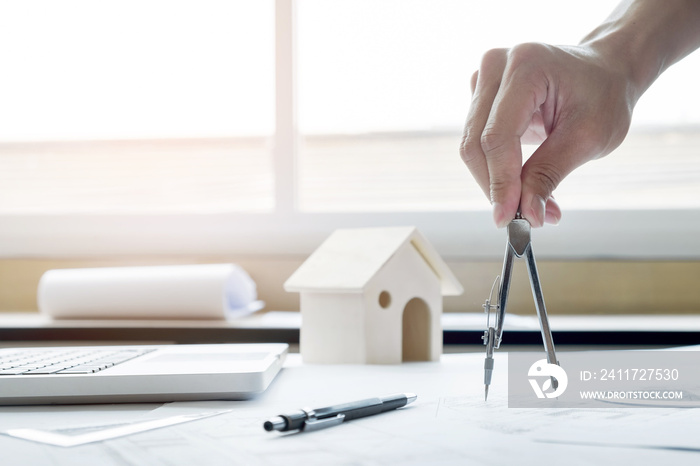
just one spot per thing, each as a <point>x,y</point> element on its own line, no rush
<point>372,296</point>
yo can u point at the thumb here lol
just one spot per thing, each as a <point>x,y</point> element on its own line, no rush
<point>558,156</point>
<point>518,99</point>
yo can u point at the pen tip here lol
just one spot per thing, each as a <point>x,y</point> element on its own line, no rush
<point>486,392</point>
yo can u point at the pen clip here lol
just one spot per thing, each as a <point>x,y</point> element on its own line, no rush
<point>317,424</point>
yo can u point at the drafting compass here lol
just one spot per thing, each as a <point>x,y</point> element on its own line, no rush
<point>517,245</point>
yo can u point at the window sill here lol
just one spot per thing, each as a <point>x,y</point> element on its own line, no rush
<point>623,234</point>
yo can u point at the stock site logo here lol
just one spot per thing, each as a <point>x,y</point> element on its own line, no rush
<point>542,369</point>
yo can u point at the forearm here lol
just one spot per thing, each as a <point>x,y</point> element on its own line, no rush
<point>643,38</point>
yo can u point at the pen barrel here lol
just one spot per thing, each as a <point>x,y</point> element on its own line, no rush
<point>294,421</point>
<point>364,408</point>
<point>353,410</point>
<point>394,401</point>
<point>315,419</point>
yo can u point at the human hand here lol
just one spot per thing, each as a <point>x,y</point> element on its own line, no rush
<point>574,102</point>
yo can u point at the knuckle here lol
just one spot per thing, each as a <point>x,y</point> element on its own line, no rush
<point>492,142</point>
<point>546,176</point>
<point>527,52</point>
<point>469,150</point>
<point>493,57</point>
<point>499,188</point>
<point>499,185</point>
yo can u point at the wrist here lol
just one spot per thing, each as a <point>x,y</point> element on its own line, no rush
<point>642,38</point>
<point>622,51</point>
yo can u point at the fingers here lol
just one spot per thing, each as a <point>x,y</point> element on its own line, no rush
<point>518,100</point>
<point>485,84</point>
<point>505,103</point>
<point>560,97</point>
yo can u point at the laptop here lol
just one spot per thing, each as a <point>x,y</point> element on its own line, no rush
<point>138,373</point>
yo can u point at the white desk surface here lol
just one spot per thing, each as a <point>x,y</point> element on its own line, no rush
<point>450,321</point>
<point>449,424</point>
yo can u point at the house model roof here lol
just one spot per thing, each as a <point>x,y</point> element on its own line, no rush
<point>349,258</point>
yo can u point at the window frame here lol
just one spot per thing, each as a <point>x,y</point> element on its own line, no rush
<point>583,234</point>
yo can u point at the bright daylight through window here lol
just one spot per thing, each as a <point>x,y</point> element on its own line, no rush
<point>169,107</point>
<point>385,90</point>
<point>131,107</point>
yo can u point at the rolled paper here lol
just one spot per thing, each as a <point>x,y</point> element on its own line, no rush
<point>202,291</point>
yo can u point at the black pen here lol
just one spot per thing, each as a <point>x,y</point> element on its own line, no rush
<point>313,419</point>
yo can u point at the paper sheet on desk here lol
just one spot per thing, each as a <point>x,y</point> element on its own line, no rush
<point>71,437</point>
<point>202,291</point>
<point>449,424</point>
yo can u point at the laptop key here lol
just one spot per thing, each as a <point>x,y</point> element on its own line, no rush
<point>71,362</point>
<point>14,371</point>
<point>79,370</point>
<point>46,370</point>
<point>85,369</point>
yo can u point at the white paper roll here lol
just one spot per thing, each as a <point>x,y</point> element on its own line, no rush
<point>206,291</point>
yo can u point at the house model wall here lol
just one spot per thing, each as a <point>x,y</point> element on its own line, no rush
<point>372,296</point>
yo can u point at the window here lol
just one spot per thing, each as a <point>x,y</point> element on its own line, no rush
<point>260,126</point>
<point>136,107</point>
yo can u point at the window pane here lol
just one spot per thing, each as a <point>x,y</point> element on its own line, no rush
<point>133,106</point>
<point>136,176</point>
<point>384,92</point>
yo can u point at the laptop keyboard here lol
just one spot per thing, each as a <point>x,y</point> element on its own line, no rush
<point>44,361</point>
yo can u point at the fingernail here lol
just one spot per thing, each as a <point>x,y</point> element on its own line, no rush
<point>550,218</point>
<point>499,215</point>
<point>538,207</point>
<point>553,212</point>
